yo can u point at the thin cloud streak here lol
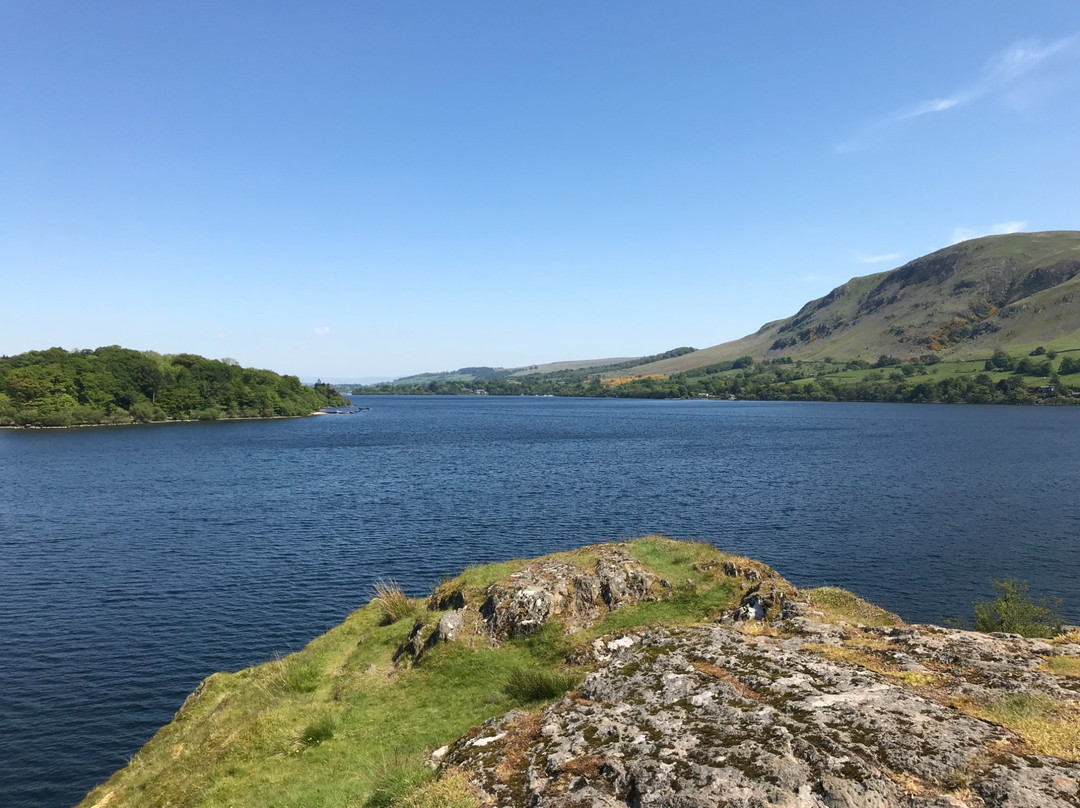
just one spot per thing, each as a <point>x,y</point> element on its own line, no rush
<point>322,330</point>
<point>1000,229</point>
<point>998,77</point>
<point>928,108</point>
<point>862,258</point>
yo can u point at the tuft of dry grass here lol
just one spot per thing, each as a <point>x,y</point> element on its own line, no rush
<point>839,605</point>
<point>853,656</point>
<point>860,655</point>
<point>916,678</point>
<point>393,603</point>
<point>1048,726</point>
<point>716,672</point>
<point>759,628</point>
<point>870,643</point>
<point>520,736</point>
<point>1067,637</point>
<point>451,790</point>
<point>1061,665</point>
<point>587,766</point>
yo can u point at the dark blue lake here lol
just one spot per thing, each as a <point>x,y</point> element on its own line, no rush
<point>135,561</point>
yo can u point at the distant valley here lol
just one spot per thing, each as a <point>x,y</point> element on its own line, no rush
<point>1000,309</point>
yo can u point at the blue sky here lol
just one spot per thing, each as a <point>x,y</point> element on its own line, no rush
<point>357,189</point>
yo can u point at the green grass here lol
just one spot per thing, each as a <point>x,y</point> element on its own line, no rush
<point>474,580</point>
<point>532,685</point>
<point>839,604</point>
<point>319,730</point>
<point>1048,726</point>
<point>689,604</point>
<point>674,560</point>
<point>299,674</point>
<point>1062,665</point>
<point>393,603</point>
<point>337,725</point>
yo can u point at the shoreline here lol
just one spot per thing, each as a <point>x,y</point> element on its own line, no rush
<point>170,421</point>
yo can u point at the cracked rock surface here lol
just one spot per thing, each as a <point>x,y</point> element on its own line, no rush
<point>802,713</point>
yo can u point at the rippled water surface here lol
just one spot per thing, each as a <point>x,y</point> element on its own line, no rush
<point>135,561</point>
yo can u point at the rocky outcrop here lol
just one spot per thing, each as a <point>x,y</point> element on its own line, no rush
<point>798,711</point>
<point>705,680</point>
<point>558,589</point>
<point>577,591</point>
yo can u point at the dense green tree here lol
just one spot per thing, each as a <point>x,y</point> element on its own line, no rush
<point>117,385</point>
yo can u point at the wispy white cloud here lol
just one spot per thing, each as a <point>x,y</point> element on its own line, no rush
<point>1000,229</point>
<point>927,108</point>
<point>863,258</point>
<point>1002,77</point>
<point>322,330</point>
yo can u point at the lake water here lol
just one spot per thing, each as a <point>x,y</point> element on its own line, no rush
<point>136,561</point>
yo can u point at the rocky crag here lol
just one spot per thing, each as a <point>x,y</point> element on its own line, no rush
<point>776,704</point>
<point>709,680</point>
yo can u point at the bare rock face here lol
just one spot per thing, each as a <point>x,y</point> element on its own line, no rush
<point>789,716</point>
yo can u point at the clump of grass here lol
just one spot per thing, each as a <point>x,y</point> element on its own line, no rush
<point>1048,726</point>
<point>549,645</point>
<point>319,730</point>
<point>859,651</point>
<point>1067,637</point>
<point>1014,611</point>
<point>676,560</point>
<point>449,791</point>
<point>839,604</point>
<point>299,676</point>
<point>853,656</point>
<point>394,604</point>
<point>1062,665</point>
<point>530,685</point>
<point>398,779</point>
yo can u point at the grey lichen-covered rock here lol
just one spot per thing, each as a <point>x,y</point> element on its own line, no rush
<point>578,592</point>
<point>710,715</point>
<point>557,589</point>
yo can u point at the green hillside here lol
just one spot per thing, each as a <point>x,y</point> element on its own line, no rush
<point>521,380</point>
<point>115,385</point>
<point>1012,292</point>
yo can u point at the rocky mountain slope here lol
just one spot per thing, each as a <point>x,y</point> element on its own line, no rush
<point>648,673</point>
<point>1013,292</point>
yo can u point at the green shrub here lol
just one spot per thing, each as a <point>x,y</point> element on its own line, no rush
<point>1015,612</point>
<point>528,685</point>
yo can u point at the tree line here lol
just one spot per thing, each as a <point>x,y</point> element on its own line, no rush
<point>888,379</point>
